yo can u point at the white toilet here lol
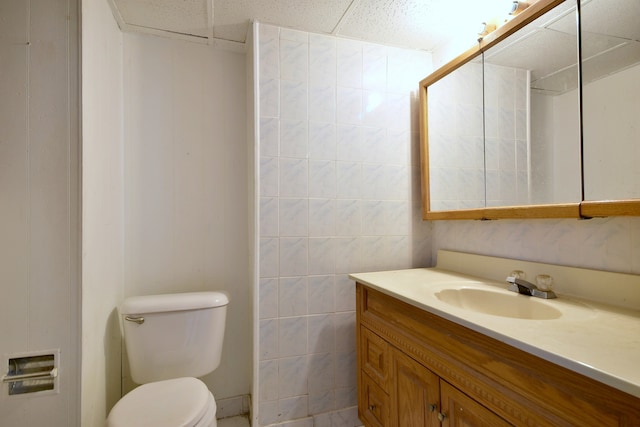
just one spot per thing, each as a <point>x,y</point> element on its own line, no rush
<point>170,340</point>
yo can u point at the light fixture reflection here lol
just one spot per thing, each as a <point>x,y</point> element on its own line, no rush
<point>517,7</point>
<point>506,12</point>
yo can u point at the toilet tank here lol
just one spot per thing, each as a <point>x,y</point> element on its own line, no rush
<point>173,335</point>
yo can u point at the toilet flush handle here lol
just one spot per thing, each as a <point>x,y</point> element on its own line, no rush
<point>138,320</point>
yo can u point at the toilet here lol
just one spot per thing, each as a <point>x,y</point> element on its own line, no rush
<point>171,339</point>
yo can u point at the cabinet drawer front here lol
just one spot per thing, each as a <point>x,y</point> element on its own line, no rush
<point>375,354</point>
<point>374,403</point>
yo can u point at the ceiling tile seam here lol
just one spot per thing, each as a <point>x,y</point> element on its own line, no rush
<point>228,45</point>
<point>209,5</point>
<point>116,14</point>
<point>132,28</point>
<point>347,13</point>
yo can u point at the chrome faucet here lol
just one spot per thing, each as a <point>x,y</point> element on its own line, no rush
<point>523,287</point>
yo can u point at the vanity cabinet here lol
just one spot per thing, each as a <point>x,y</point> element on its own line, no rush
<point>398,391</point>
<point>419,369</point>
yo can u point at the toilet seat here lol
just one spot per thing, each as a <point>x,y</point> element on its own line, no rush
<point>179,402</point>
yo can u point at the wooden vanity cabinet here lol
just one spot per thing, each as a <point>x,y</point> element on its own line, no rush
<point>417,369</point>
<point>404,393</point>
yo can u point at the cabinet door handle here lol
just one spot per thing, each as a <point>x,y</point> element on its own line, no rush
<point>433,407</point>
<point>441,416</point>
<point>372,407</point>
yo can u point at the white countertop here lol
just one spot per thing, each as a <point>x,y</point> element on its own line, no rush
<point>597,340</point>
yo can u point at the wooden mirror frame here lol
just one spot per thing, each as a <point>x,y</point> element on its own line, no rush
<point>582,209</point>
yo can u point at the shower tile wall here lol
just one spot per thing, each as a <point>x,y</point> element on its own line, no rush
<point>339,193</point>
<point>456,140</point>
<point>506,135</point>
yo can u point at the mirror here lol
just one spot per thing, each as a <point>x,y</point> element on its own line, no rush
<point>610,33</point>
<point>536,98</point>
<point>500,124</point>
<point>456,143</point>
<point>532,113</point>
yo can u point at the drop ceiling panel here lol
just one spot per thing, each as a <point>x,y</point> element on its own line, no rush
<point>518,55</point>
<point>416,24</point>
<point>190,17</point>
<point>595,44</point>
<point>232,17</point>
<point>618,19</point>
<point>565,20</point>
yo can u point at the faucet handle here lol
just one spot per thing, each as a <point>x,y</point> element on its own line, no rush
<point>518,274</point>
<point>513,276</point>
<point>544,282</point>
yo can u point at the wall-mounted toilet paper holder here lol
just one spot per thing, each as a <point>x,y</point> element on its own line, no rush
<point>31,373</point>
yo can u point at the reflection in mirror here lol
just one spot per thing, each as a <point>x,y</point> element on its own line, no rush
<point>532,113</point>
<point>456,149</point>
<point>611,98</point>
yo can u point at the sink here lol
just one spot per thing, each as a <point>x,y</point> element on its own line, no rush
<point>505,304</point>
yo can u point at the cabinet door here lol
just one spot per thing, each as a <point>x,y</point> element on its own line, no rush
<point>459,410</point>
<point>373,403</point>
<point>415,393</point>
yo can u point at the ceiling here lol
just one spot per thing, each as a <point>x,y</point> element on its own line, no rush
<point>415,24</point>
<point>611,34</point>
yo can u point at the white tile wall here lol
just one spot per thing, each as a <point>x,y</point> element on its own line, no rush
<point>338,171</point>
<point>611,244</point>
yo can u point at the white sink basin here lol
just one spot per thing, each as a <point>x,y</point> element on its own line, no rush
<point>505,304</point>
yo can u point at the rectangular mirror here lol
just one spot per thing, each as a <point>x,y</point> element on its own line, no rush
<point>610,34</point>
<point>500,124</point>
<point>532,113</point>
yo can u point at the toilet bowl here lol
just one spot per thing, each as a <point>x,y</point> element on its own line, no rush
<point>179,402</point>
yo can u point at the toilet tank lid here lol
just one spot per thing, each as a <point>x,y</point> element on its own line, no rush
<point>173,302</point>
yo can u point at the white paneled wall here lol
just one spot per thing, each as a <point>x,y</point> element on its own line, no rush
<point>40,203</point>
<point>186,211</point>
<point>339,193</point>
<point>102,211</point>
<point>611,136</point>
<point>555,144</point>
